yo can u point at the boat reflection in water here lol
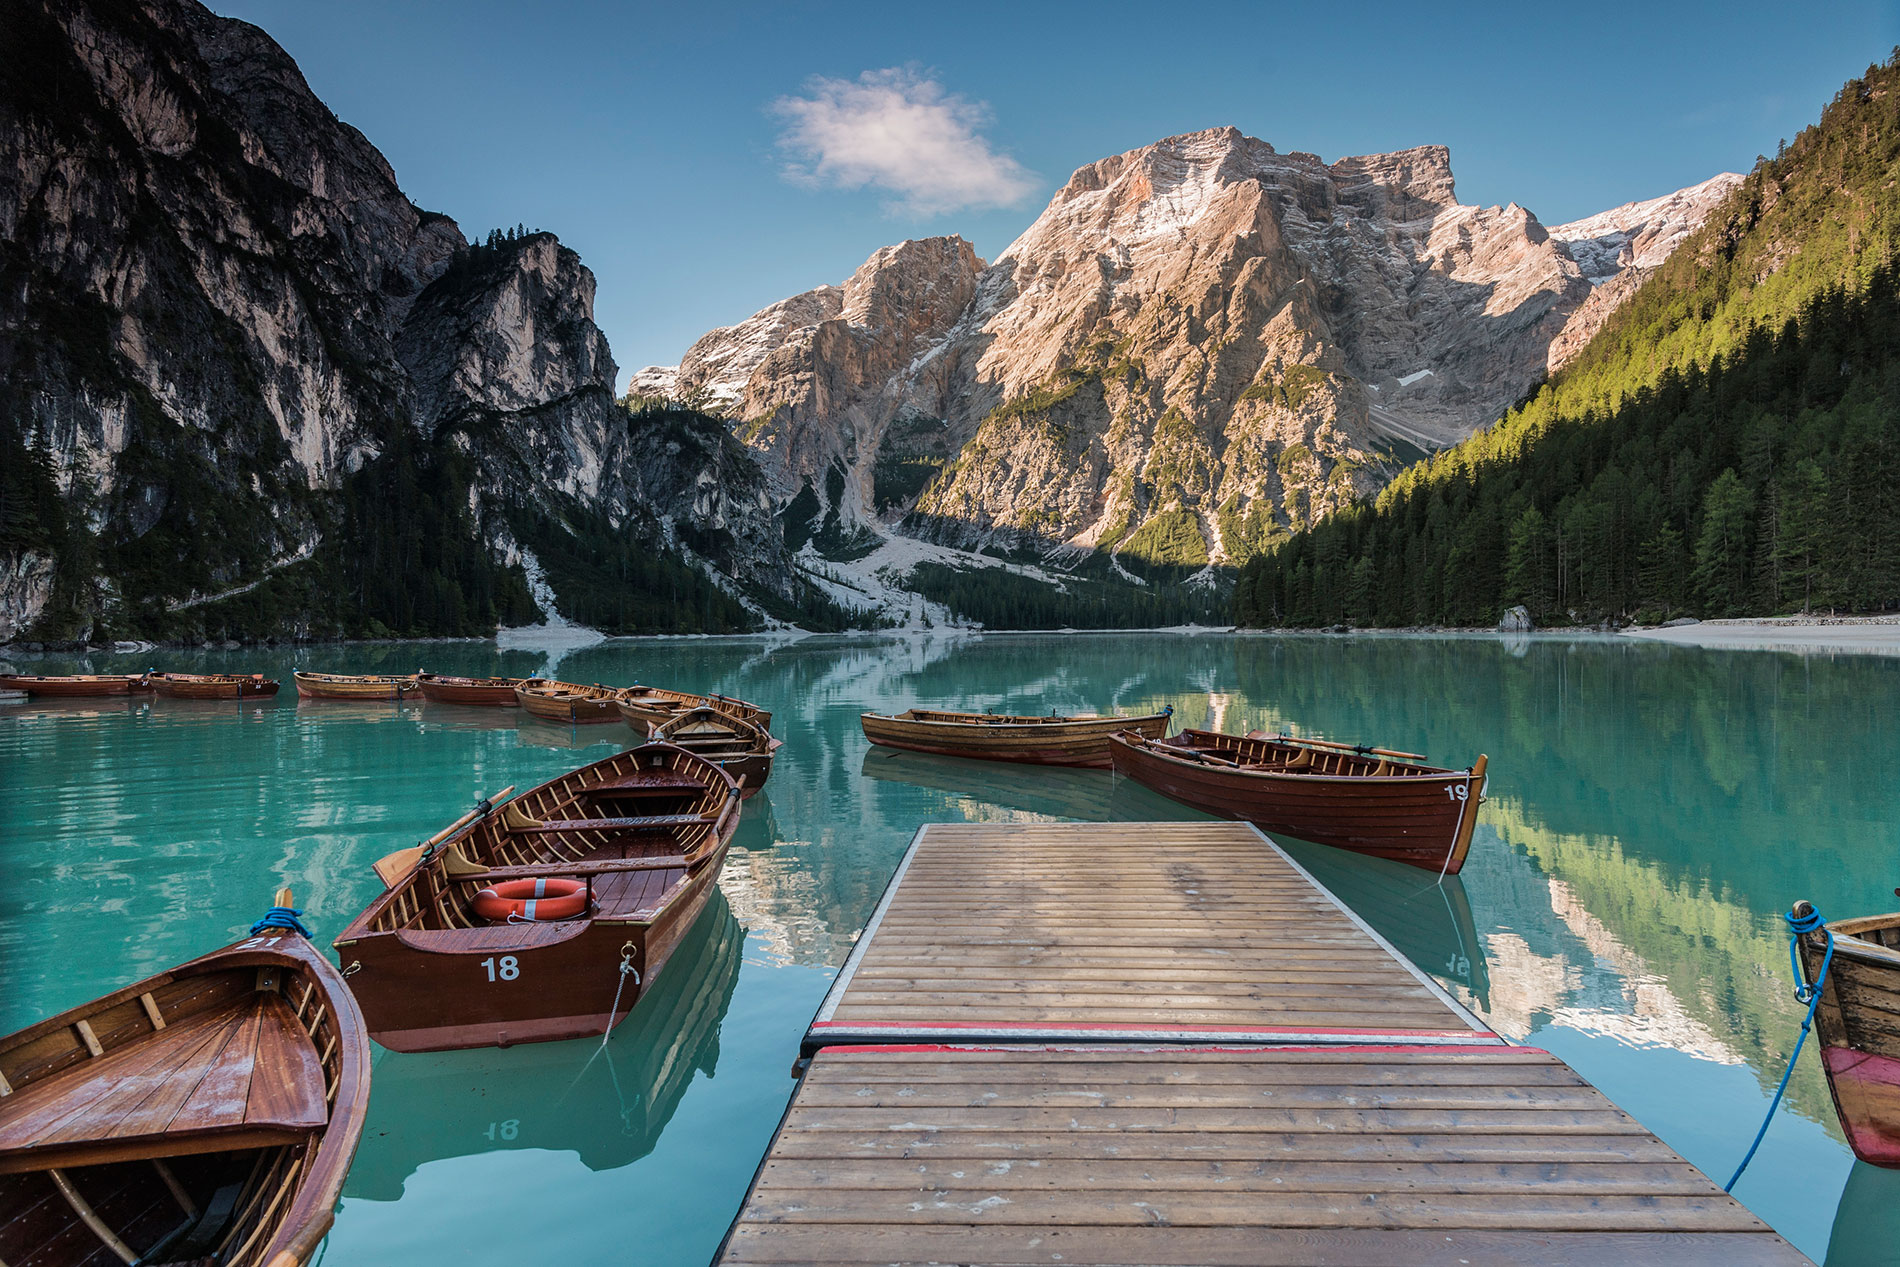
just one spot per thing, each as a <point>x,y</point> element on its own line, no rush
<point>606,1105</point>
<point>1867,1220</point>
<point>1428,921</point>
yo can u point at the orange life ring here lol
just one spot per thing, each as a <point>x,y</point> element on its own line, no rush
<point>532,900</point>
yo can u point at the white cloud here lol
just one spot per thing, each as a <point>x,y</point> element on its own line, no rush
<point>898,131</point>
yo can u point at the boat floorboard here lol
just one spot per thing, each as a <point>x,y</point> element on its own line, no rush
<point>245,1068</point>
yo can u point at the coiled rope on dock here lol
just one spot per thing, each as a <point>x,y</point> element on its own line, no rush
<point>1802,920</point>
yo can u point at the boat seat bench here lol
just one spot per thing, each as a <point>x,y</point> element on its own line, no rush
<point>576,870</point>
<point>651,822</point>
<point>244,1075</point>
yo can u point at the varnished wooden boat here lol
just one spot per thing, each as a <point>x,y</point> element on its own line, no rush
<point>207,1114</point>
<point>657,705</point>
<point>1067,741</point>
<point>1858,1023</point>
<point>1369,800</point>
<point>612,1106</point>
<point>76,685</point>
<point>741,749</point>
<point>357,686</point>
<point>212,685</point>
<point>569,702</point>
<point>495,692</point>
<point>645,830</point>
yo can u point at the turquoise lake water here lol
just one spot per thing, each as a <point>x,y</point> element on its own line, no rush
<point>1652,811</point>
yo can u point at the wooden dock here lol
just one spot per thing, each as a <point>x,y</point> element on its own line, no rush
<point>1166,1043</point>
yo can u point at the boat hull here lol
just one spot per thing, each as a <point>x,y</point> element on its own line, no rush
<point>1424,820</point>
<point>319,1059</point>
<point>77,687</point>
<point>1082,743</point>
<point>172,687</point>
<point>492,694</point>
<point>652,706</point>
<point>566,707</point>
<point>427,996</point>
<point>318,686</point>
<point>1858,1025</point>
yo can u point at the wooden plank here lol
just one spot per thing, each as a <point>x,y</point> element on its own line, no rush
<point>1034,928</point>
<point>988,1155</point>
<point>1244,1247</point>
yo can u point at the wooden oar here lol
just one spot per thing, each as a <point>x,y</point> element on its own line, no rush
<point>1345,747</point>
<point>393,867</point>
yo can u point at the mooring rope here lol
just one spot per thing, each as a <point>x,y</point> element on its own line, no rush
<point>280,917</point>
<point>626,970</point>
<point>1802,920</point>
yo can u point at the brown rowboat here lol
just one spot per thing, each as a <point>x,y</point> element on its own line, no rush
<point>741,749</point>
<point>364,686</point>
<point>646,831</point>
<point>1080,740</point>
<point>495,692</point>
<point>75,685</point>
<point>1858,1023</point>
<point>569,702</point>
<point>211,685</point>
<point>205,1114</point>
<point>658,705</point>
<point>1368,800</point>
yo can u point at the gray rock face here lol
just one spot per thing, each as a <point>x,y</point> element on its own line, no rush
<point>1203,338</point>
<point>216,304</point>
<point>1516,620</point>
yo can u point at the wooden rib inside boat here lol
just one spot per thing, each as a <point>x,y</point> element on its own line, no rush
<point>494,692</point>
<point>569,702</point>
<point>646,831</point>
<point>1368,800</point>
<point>358,686</point>
<point>76,685</point>
<point>207,1114</point>
<point>657,705</point>
<point>1079,740</point>
<point>741,749</point>
<point>1858,1023</point>
<point>212,685</point>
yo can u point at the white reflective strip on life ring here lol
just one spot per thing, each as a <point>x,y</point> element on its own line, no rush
<point>540,888</point>
<point>528,910</point>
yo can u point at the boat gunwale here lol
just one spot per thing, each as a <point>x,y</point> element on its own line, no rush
<point>1164,748</point>
<point>361,927</point>
<point>1038,725</point>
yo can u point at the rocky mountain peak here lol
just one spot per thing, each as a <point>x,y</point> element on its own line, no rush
<point>1197,344</point>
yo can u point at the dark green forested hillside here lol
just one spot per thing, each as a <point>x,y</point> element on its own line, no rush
<point>1728,443</point>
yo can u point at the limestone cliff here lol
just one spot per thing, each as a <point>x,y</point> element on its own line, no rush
<point>234,355</point>
<point>1197,346</point>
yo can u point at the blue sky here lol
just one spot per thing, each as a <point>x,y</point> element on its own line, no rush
<point>706,160</point>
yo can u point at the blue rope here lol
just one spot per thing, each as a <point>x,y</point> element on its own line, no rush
<point>280,917</point>
<point>1800,922</point>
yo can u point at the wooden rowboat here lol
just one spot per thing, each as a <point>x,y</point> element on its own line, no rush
<point>363,686</point>
<point>207,1114</point>
<point>1368,800</point>
<point>495,692</point>
<point>646,831</point>
<point>1858,1023</point>
<point>741,749</point>
<point>1081,740</point>
<point>211,685</point>
<point>657,705</point>
<point>569,702</point>
<point>76,684</point>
